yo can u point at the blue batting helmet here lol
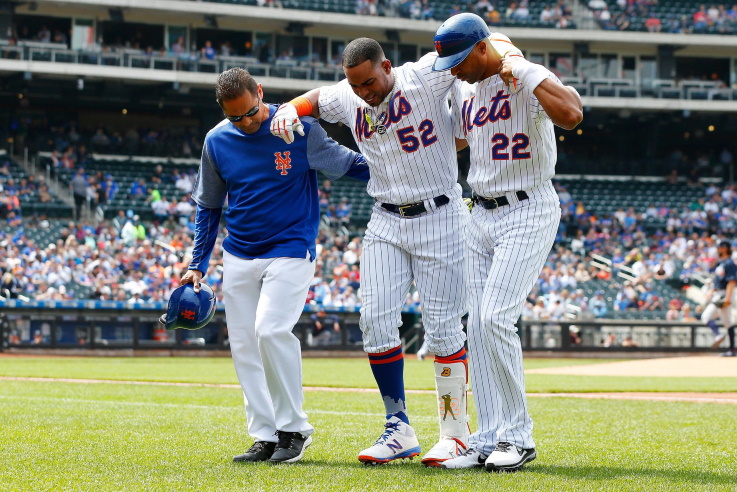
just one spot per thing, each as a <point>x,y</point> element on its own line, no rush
<point>455,39</point>
<point>189,309</point>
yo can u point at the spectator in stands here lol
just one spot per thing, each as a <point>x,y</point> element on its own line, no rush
<point>483,8</point>
<point>547,16</point>
<point>597,305</point>
<point>110,187</point>
<point>78,186</point>
<point>184,183</point>
<point>138,189</point>
<point>184,209</point>
<point>652,24</point>
<point>43,194</point>
<point>687,314</point>
<point>628,342</point>
<point>522,13</point>
<point>323,327</point>
<point>44,35</point>
<point>700,19</point>
<point>343,211</point>
<point>160,208</point>
<point>208,52</point>
<point>100,141</point>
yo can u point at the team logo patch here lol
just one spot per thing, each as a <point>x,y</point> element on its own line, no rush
<point>446,372</point>
<point>187,314</point>
<point>283,162</point>
<point>439,48</point>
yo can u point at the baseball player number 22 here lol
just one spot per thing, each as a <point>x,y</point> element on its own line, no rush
<point>501,144</point>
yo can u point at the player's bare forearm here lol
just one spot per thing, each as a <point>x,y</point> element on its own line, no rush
<point>561,103</point>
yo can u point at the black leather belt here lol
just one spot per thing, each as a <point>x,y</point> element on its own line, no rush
<point>500,201</point>
<point>412,209</point>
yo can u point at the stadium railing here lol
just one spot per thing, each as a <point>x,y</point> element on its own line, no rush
<point>107,325</point>
<point>59,53</point>
<point>92,324</point>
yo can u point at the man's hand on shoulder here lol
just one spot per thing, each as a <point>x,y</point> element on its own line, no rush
<point>285,122</point>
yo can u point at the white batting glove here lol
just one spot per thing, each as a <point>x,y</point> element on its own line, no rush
<point>285,122</point>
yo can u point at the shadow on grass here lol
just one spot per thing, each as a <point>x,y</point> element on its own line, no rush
<point>582,473</point>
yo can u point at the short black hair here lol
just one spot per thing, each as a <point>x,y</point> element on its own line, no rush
<point>233,83</point>
<point>725,244</point>
<point>362,49</point>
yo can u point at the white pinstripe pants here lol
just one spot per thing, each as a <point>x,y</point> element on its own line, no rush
<point>427,248</point>
<point>264,298</point>
<point>507,249</point>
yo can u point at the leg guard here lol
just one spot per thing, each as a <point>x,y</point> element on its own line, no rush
<point>451,384</point>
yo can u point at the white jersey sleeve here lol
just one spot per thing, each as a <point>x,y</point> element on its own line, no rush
<point>330,104</point>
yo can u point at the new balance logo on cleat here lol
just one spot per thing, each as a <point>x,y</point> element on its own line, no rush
<point>397,442</point>
<point>394,445</point>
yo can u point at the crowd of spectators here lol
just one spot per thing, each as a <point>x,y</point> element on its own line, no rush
<point>123,258</point>
<point>645,15</point>
<point>72,145</point>
<point>680,254</point>
<point>15,191</point>
<point>557,14</point>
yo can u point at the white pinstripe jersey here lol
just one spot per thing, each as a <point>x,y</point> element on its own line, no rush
<point>415,159</point>
<point>511,137</point>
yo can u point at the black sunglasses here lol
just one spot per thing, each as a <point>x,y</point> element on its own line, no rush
<point>251,113</point>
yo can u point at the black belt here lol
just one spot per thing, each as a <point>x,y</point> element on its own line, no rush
<point>500,201</point>
<point>412,209</point>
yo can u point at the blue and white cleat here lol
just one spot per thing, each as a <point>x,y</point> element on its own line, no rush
<point>398,441</point>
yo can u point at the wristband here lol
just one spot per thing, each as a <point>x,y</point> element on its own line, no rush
<point>303,105</point>
<point>530,74</point>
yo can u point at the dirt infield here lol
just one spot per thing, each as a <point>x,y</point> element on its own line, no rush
<point>711,366</point>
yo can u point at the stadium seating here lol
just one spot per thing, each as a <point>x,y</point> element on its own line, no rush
<point>606,197</point>
<point>30,203</point>
<point>678,14</point>
<point>441,9</point>
<point>125,174</point>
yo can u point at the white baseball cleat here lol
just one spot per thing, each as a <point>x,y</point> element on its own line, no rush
<point>398,441</point>
<point>508,457</point>
<point>446,449</point>
<point>470,459</point>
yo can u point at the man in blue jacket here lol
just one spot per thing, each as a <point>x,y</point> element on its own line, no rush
<point>269,252</point>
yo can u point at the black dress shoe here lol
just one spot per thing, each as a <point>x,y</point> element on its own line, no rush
<point>259,451</point>
<point>291,447</point>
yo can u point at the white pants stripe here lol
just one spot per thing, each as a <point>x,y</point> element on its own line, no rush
<point>507,249</point>
<point>263,301</point>
<point>427,248</point>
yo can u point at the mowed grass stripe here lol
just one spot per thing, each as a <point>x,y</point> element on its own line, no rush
<point>344,373</point>
<point>59,443</point>
<point>699,397</point>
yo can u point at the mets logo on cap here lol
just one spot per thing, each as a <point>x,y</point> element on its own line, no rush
<point>439,48</point>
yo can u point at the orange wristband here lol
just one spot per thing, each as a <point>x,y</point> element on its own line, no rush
<point>303,105</point>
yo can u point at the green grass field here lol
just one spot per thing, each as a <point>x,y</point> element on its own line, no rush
<point>111,437</point>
